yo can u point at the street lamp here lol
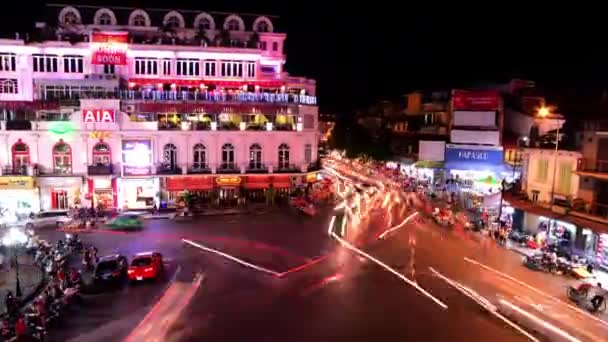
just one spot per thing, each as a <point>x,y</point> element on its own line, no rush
<point>15,238</point>
<point>545,113</point>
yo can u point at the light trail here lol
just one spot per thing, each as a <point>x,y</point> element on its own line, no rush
<point>403,223</point>
<point>506,276</point>
<point>536,320</point>
<point>483,302</point>
<point>233,258</point>
<point>388,268</point>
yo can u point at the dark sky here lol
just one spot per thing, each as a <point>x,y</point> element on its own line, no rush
<point>360,53</point>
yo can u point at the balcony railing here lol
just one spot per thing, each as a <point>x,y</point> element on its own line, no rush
<point>100,170</point>
<point>228,168</point>
<point>18,125</point>
<point>15,171</point>
<point>257,168</point>
<point>286,168</point>
<point>592,165</point>
<point>168,170</point>
<point>189,96</point>
<point>199,168</point>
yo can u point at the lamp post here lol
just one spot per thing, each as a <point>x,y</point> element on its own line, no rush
<point>545,113</point>
<point>15,238</point>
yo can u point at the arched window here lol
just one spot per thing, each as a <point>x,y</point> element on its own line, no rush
<point>101,154</point>
<point>283,156</point>
<point>262,27</point>
<point>227,157</point>
<point>204,24</point>
<point>170,156</point>
<point>21,156</point>
<point>255,157</point>
<point>62,158</point>
<point>172,22</point>
<point>204,21</point>
<point>200,156</point>
<point>104,19</point>
<point>139,20</point>
<point>233,25</point>
<point>262,24</point>
<point>70,17</point>
<point>173,19</point>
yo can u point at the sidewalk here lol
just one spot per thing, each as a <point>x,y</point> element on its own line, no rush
<point>30,278</point>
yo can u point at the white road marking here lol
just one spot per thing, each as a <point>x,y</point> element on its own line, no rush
<point>483,302</point>
<point>504,275</point>
<point>233,258</point>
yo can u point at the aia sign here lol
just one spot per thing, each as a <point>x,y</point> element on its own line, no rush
<point>109,47</point>
<point>98,115</point>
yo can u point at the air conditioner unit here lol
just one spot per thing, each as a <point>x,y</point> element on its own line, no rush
<point>130,109</point>
<point>86,77</point>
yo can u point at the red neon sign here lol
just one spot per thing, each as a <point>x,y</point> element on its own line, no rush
<point>109,47</point>
<point>98,115</point>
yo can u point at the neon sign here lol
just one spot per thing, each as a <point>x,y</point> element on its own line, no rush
<point>98,115</point>
<point>109,47</point>
<point>61,127</point>
<point>228,181</point>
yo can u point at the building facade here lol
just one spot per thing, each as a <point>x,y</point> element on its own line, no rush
<point>128,108</point>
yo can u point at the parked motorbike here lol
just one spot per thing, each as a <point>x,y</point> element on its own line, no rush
<point>583,300</point>
<point>538,262</point>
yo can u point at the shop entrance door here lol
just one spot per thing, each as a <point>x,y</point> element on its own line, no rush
<point>59,199</point>
<point>228,197</point>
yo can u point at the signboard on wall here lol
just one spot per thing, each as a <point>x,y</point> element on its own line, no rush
<point>7,183</point>
<point>98,115</point>
<point>463,136</point>
<point>475,118</point>
<point>431,150</point>
<point>483,100</point>
<point>473,154</point>
<point>109,47</point>
<point>137,157</point>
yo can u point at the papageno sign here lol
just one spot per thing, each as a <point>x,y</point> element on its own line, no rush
<point>98,115</point>
<point>109,47</point>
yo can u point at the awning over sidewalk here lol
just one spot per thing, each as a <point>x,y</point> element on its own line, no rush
<point>192,183</point>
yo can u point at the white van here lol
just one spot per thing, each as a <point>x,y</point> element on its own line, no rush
<point>47,219</point>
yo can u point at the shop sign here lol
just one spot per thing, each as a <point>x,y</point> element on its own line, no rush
<point>136,157</point>
<point>101,183</point>
<point>59,182</point>
<point>487,100</point>
<point>99,135</point>
<point>98,115</point>
<point>228,181</point>
<point>11,183</point>
<point>109,47</point>
<point>469,154</point>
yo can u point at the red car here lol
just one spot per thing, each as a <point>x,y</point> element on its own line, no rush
<point>148,265</point>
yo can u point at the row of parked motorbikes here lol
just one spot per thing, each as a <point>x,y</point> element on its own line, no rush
<point>63,288</point>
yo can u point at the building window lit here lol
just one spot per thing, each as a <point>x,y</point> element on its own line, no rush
<point>21,156</point>
<point>70,18</point>
<point>62,158</point>
<point>104,19</point>
<point>101,154</point>
<point>283,156</point>
<point>8,86</point>
<point>139,20</point>
<point>308,153</point>
<point>45,63</point>
<point>200,156</point>
<point>145,66</point>
<point>255,157</point>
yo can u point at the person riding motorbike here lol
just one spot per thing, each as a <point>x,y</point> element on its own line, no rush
<point>599,297</point>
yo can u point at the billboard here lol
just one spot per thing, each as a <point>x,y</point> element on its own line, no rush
<point>475,118</point>
<point>431,150</point>
<point>136,157</point>
<point>109,47</point>
<point>463,136</point>
<point>473,154</point>
<point>98,115</point>
<point>482,100</point>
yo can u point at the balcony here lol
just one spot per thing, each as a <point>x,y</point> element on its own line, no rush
<point>257,168</point>
<point>286,168</point>
<point>60,170</point>
<point>228,168</point>
<point>199,168</point>
<point>100,170</point>
<point>18,125</point>
<point>168,170</point>
<point>588,165</point>
<point>15,171</point>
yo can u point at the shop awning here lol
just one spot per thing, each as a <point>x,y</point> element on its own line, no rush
<point>192,183</point>
<point>281,182</point>
<point>257,182</point>
<point>474,166</point>
<point>426,164</point>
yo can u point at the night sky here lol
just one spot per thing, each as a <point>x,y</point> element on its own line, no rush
<point>361,53</point>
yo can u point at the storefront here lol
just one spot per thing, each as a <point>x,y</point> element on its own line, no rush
<point>18,198</point>
<point>60,193</point>
<point>257,188</point>
<point>102,192</point>
<point>200,187</point>
<point>228,189</point>
<point>138,193</point>
<point>426,172</point>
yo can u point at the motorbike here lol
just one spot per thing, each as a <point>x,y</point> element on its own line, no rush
<point>582,300</point>
<point>538,262</point>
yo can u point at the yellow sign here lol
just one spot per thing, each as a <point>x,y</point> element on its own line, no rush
<point>13,183</point>
<point>99,135</point>
<point>228,180</point>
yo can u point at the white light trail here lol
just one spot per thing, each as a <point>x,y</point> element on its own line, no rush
<point>506,276</point>
<point>483,302</point>
<point>235,259</point>
<point>388,268</point>
<point>552,328</point>
<point>403,223</point>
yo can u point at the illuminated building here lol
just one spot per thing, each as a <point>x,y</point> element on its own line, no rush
<point>126,107</point>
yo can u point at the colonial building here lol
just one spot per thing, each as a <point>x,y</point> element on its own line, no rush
<point>128,107</point>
